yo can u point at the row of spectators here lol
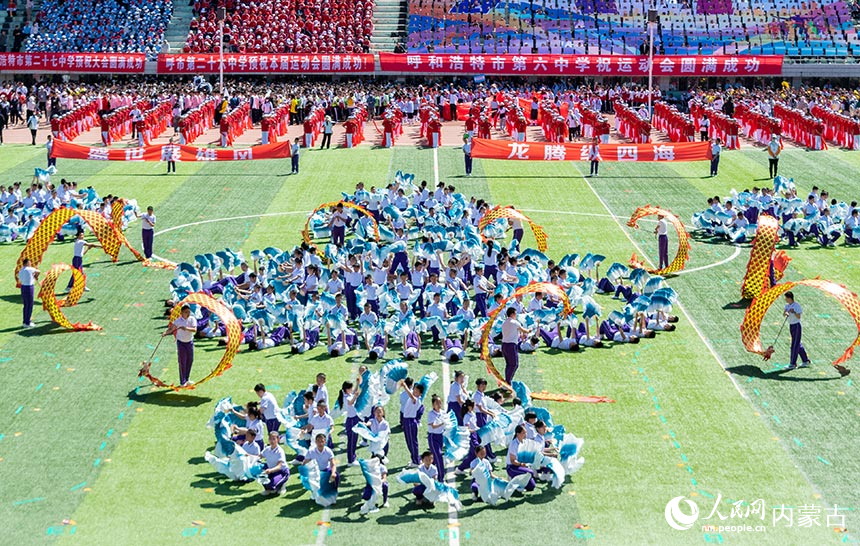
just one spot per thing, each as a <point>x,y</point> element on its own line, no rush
<point>96,26</point>
<point>283,26</point>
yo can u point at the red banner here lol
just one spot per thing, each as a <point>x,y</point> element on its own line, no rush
<point>170,152</point>
<point>235,63</point>
<point>667,152</point>
<point>583,65</point>
<point>102,63</point>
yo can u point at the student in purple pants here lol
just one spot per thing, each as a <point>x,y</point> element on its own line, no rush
<point>793,312</point>
<point>411,419</point>
<point>27,277</point>
<point>662,241</point>
<point>428,469</point>
<point>482,414</point>
<point>268,407</point>
<point>435,430</point>
<point>276,465</point>
<point>511,332</point>
<point>184,328</point>
<point>346,401</point>
<point>457,395</point>
<point>514,466</point>
<point>81,247</point>
<point>470,421</point>
<point>147,230</point>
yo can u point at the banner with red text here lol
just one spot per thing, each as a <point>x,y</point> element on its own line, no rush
<point>546,151</point>
<point>236,63</point>
<point>170,152</point>
<point>583,65</point>
<point>102,63</point>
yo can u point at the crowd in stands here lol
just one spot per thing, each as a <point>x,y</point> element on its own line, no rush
<point>100,26</point>
<point>792,27</point>
<point>269,26</point>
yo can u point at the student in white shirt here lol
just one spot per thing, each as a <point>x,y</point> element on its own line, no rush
<point>514,466</point>
<point>253,421</point>
<point>511,332</point>
<point>147,230</point>
<point>80,248</point>
<point>793,313</point>
<point>662,241</point>
<point>276,465</point>
<point>268,406</point>
<point>184,327</point>
<point>321,390</point>
<point>324,457</point>
<point>457,395</point>
<point>428,469</point>
<point>435,429</point>
<point>320,420</point>
<point>27,277</point>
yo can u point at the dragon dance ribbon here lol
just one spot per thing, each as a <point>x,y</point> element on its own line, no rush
<point>757,278</point>
<point>683,253</point>
<point>499,212</point>
<point>234,338</point>
<point>306,234</point>
<point>751,326</point>
<point>47,231</point>
<point>546,288</point>
<point>50,303</point>
<point>116,214</point>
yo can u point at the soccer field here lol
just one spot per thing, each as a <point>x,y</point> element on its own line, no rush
<point>82,440</point>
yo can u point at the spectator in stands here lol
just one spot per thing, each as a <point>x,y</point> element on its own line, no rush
<point>105,26</point>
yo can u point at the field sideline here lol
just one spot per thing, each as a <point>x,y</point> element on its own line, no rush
<point>81,439</point>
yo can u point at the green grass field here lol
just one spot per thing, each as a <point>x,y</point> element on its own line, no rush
<point>81,439</point>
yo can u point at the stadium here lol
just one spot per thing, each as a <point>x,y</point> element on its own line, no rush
<point>429,272</point>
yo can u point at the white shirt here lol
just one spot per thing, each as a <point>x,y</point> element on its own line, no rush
<point>148,221</point>
<point>793,308</point>
<point>513,449</point>
<point>662,228</point>
<point>323,458</point>
<point>79,246</point>
<point>257,426</point>
<point>429,471</point>
<point>183,335</point>
<point>269,406</point>
<point>334,286</point>
<point>410,408</point>
<point>338,219</point>
<point>274,456</point>
<point>456,392</point>
<point>379,426</point>
<point>251,448</point>
<point>27,276</point>
<point>322,394</point>
<point>434,416</point>
<point>321,422</point>
<point>470,421</point>
<point>511,331</point>
<point>535,305</point>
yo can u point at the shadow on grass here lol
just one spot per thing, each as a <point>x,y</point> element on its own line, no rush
<point>740,304</point>
<point>776,375</point>
<point>168,398</point>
